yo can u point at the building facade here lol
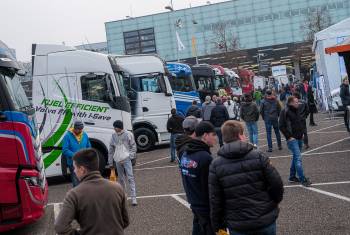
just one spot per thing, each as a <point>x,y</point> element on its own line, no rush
<point>194,31</point>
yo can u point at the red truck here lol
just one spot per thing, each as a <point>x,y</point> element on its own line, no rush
<point>23,185</point>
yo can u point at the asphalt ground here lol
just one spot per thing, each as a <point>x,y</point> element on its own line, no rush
<point>323,208</point>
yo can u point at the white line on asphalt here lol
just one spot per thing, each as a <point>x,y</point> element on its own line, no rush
<point>56,209</point>
<point>328,193</point>
<point>310,154</point>
<point>154,168</point>
<point>182,201</point>
<point>157,160</point>
<point>335,142</point>
<point>328,132</point>
<point>318,184</point>
<point>311,132</point>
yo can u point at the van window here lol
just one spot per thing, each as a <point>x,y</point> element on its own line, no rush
<point>98,88</point>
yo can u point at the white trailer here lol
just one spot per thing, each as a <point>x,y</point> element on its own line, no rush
<point>150,97</point>
<point>69,85</point>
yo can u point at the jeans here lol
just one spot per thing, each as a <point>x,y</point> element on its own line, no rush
<point>268,125</point>
<point>73,176</point>
<point>219,134</point>
<point>124,169</point>
<point>173,137</point>
<point>253,132</point>
<point>201,224</point>
<point>269,230</point>
<point>296,167</point>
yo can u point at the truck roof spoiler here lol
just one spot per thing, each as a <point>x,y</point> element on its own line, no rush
<point>45,49</point>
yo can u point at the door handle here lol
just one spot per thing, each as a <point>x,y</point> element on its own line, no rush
<point>90,123</point>
<point>144,109</point>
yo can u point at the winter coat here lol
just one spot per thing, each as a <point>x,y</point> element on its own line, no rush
<point>270,108</point>
<point>180,144</point>
<point>98,205</point>
<point>206,110</point>
<point>303,109</point>
<point>174,124</point>
<point>194,166</point>
<point>71,146</point>
<point>194,110</point>
<point>219,115</point>
<point>232,109</point>
<point>345,95</point>
<point>249,112</point>
<point>291,123</point>
<point>126,138</point>
<point>244,188</point>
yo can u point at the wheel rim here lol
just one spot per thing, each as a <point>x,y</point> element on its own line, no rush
<point>142,140</point>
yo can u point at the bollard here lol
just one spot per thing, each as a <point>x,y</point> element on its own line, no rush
<point>112,176</point>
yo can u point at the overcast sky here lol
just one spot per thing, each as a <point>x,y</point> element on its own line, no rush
<point>74,22</point>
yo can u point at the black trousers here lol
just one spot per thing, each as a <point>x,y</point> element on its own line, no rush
<point>312,119</point>
<point>202,224</point>
<point>346,119</point>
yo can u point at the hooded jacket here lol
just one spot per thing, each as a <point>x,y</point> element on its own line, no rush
<point>71,145</point>
<point>174,124</point>
<point>219,115</point>
<point>126,138</point>
<point>270,109</point>
<point>194,167</point>
<point>194,110</point>
<point>244,188</point>
<point>206,110</point>
<point>249,112</point>
<point>97,204</point>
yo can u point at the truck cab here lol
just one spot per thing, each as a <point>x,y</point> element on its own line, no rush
<point>70,85</point>
<point>150,96</point>
<point>234,82</point>
<point>24,189</point>
<point>183,86</point>
<point>221,81</point>
<point>204,78</point>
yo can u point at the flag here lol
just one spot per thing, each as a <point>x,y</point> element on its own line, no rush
<point>180,45</point>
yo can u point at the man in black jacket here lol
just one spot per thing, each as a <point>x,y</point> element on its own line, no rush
<point>244,188</point>
<point>345,99</point>
<point>189,125</point>
<point>194,166</point>
<point>174,127</point>
<point>292,126</point>
<point>218,116</point>
<point>304,113</point>
<point>194,110</point>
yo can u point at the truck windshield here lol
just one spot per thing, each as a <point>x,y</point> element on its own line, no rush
<point>203,83</point>
<point>182,83</point>
<point>16,91</point>
<point>148,82</point>
<point>220,82</point>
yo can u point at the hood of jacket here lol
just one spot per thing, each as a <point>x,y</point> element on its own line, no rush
<point>235,149</point>
<point>195,145</point>
<point>344,85</point>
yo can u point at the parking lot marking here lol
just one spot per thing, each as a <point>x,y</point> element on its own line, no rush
<point>328,193</point>
<point>56,209</point>
<point>318,184</point>
<point>334,142</point>
<point>310,154</point>
<point>154,168</point>
<point>157,160</point>
<point>182,201</point>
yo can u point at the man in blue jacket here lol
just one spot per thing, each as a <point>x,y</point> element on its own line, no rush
<point>73,141</point>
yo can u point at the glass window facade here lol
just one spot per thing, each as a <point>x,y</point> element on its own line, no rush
<point>256,23</point>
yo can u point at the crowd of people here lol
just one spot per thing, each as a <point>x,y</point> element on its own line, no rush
<point>239,190</point>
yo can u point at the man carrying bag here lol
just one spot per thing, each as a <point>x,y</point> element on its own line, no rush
<point>122,149</point>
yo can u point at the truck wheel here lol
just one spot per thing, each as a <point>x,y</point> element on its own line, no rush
<point>145,139</point>
<point>101,161</point>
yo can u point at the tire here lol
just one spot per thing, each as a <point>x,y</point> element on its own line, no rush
<point>101,161</point>
<point>145,139</point>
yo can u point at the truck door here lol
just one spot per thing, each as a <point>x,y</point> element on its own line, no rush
<point>8,153</point>
<point>156,103</point>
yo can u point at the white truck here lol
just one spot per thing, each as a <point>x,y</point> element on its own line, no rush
<point>69,85</point>
<point>150,96</point>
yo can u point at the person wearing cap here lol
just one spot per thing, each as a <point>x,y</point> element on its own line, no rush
<point>194,169</point>
<point>74,140</point>
<point>188,125</point>
<point>174,127</point>
<point>124,139</point>
<point>270,110</point>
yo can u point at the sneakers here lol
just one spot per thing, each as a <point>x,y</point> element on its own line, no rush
<point>133,201</point>
<point>313,124</point>
<point>255,146</point>
<point>269,150</point>
<point>293,180</point>
<point>306,182</point>
<point>279,147</point>
<point>307,146</point>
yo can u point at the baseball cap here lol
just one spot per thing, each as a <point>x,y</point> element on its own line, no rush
<point>190,123</point>
<point>78,125</point>
<point>204,127</point>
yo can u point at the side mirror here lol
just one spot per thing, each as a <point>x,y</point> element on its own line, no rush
<point>168,94</point>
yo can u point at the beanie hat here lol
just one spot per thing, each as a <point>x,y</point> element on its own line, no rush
<point>78,125</point>
<point>118,124</point>
<point>204,127</point>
